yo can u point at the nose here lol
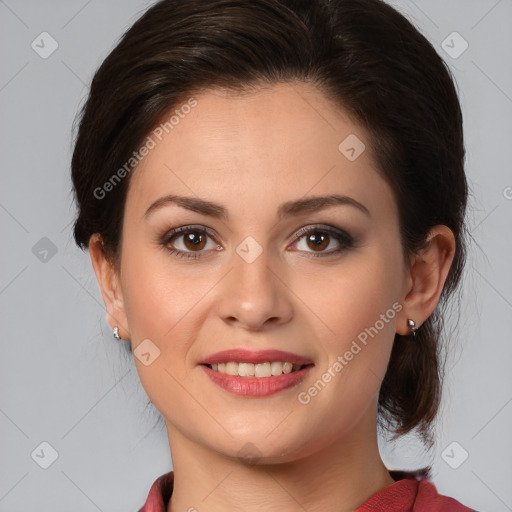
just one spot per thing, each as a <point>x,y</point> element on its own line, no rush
<point>254,295</point>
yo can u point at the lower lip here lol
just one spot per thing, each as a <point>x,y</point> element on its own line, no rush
<point>257,386</point>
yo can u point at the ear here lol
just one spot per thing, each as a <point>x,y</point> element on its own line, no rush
<point>425,278</point>
<point>110,286</point>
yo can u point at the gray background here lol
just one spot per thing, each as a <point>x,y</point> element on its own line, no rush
<point>66,382</point>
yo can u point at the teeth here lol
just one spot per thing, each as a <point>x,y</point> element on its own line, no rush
<point>276,367</point>
<point>255,370</point>
<point>231,368</point>
<point>245,369</point>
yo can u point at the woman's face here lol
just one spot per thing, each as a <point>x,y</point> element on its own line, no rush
<point>322,280</point>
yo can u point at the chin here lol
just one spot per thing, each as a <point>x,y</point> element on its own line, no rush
<point>258,450</point>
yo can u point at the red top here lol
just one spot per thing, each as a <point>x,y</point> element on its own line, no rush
<point>408,494</point>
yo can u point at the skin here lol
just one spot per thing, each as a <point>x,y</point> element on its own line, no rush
<point>250,153</point>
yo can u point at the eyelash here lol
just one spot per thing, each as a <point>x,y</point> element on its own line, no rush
<point>342,237</point>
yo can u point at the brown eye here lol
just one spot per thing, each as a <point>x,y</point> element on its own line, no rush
<point>189,241</point>
<point>194,240</point>
<point>318,240</point>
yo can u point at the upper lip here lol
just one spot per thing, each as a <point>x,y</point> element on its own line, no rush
<point>241,355</point>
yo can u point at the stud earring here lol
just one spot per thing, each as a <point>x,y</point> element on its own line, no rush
<point>412,327</point>
<point>115,333</point>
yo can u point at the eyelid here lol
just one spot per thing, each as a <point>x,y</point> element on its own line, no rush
<point>169,234</point>
<point>323,228</point>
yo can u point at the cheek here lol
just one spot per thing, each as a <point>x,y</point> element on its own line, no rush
<point>160,306</point>
<point>358,304</point>
<point>157,296</point>
<point>352,296</point>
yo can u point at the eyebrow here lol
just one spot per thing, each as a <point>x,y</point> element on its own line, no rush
<point>288,209</point>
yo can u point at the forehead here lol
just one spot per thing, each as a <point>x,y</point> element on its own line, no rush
<point>276,143</point>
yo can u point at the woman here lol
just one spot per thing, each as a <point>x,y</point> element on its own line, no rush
<point>273,197</point>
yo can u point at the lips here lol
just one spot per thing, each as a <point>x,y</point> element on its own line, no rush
<point>255,357</point>
<point>257,386</point>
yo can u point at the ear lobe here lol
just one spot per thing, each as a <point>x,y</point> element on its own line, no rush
<point>108,281</point>
<point>426,277</point>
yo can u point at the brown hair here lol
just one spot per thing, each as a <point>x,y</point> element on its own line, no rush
<point>365,57</point>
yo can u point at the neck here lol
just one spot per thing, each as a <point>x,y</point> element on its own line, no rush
<point>339,477</point>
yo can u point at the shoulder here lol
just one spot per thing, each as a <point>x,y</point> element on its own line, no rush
<point>411,492</point>
<point>428,499</point>
<point>159,494</point>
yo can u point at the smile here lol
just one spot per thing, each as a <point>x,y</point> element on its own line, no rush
<point>260,370</point>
